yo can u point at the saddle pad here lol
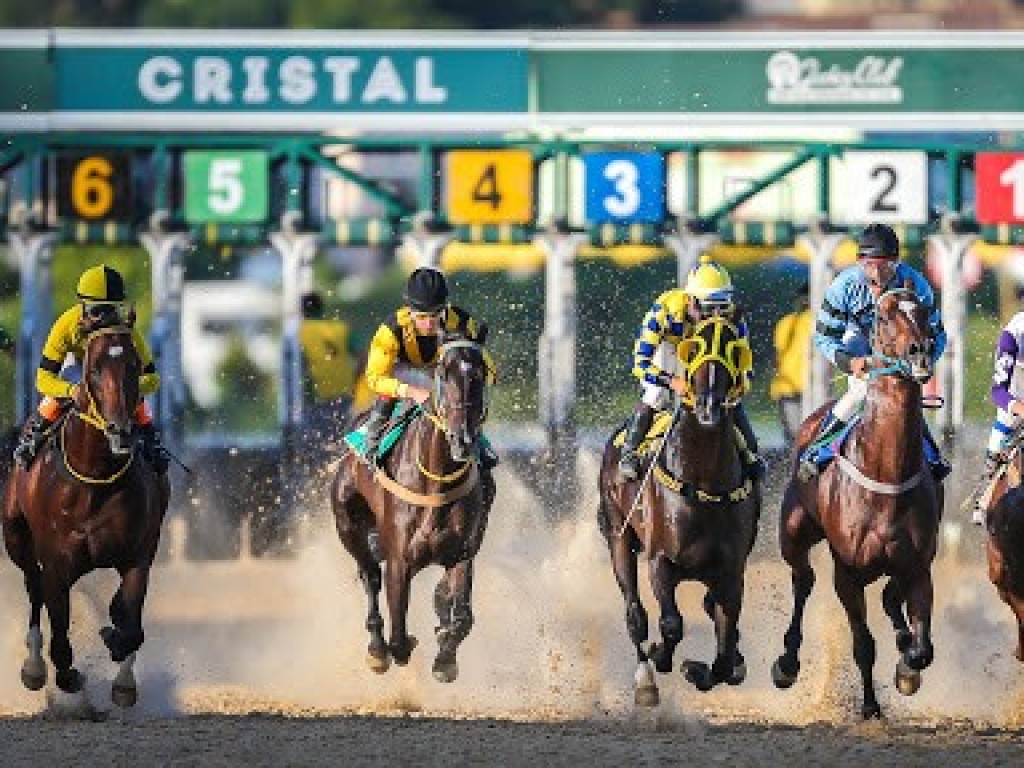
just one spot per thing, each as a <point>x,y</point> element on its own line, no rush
<point>662,419</point>
<point>356,439</point>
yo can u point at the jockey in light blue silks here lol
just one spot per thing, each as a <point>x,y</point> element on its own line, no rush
<point>843,331</point>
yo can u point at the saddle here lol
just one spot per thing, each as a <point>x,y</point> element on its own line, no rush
<point>659,426</point>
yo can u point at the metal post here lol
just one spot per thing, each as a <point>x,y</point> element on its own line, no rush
<point>424,242</point>
<point>688,248</point>
<point>951,249</point>
<point>34,253</point>
<point>167,265</point>
<point>822,247</point>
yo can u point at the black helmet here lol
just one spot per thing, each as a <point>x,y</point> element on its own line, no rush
<point>878,241</point>
<point>427,290</point>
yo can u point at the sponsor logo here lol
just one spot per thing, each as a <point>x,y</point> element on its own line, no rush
<point>806,80</point>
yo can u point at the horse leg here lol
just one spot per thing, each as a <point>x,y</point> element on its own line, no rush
<point>797,534</point>
<point>21,548</point>
<point>352,522</point>
<point>664,582</point>
<point>624,564</point>
<point>851,595</point>
<point>919,652</point>
<point>892,602</point>
<point>399,581</point>
<point>125,636</point>
<point>458,581</point>
<point>58,607</point>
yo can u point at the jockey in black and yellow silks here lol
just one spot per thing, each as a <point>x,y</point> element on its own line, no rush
<point>413,336</point>
<point>101,301</point>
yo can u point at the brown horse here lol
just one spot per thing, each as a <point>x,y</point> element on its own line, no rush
<point>877,505</point>
<point>695,517</point>
<point>427,505</point>
<point>88,501</point>
<point>1005,548</point>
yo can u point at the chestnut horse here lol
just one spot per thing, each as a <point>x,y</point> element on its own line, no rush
<point>88,501</point>
<point>877,505</point>
<point>426,505</point>
<point>695,516</point>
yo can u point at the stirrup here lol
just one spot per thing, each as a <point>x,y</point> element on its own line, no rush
<point>979,515</point>
<point>629,465</point>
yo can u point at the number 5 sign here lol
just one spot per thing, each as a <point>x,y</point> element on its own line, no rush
<point>889,187</point>
<point>625,186</point>
<point>229,186</point>
<point>999,187</point>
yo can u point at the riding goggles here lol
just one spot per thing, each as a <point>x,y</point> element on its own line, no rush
<point>437,314</point>
<point>122,311</point>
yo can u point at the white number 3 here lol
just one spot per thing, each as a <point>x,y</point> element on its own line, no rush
<point>624,175</point>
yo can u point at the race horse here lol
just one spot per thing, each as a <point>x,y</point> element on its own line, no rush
<point>694,513</point>
<point>88,501</point>
<point>877,504</point>
<point>1005,546</point>
<point>426,504</point>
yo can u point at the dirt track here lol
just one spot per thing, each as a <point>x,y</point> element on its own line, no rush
<point>262,663</point>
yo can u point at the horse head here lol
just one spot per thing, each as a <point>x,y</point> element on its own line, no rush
<point>109,392</point>
<point>902,337</point>
<point>714,360</point>
<point>461,387</point>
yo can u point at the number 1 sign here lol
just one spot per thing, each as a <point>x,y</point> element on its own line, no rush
<point>999,185</point>
<point>886,186</point>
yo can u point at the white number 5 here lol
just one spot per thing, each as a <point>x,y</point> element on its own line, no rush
<point>624,175</point>
<point>226,190</point>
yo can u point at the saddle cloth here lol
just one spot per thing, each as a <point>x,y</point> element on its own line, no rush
<point>662,420</point>
<point>400,421</point>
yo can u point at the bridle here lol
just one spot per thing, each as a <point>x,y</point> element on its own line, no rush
<point>891,365</point>
<point>92,414</point>
<point>694,352</point>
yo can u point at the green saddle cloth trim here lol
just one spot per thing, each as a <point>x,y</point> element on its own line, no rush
<point>356,439</point>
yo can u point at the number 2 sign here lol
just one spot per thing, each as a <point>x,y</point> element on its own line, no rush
<point>228,186</point>
<point>889,187</point>
<point>999,187</point>
<point>625,187</point>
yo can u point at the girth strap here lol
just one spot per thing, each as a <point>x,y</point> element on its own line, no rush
<point>876,486</point>
<point>737,494</point>
<point>429,499</point>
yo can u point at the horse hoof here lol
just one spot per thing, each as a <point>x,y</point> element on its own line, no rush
<point>33,674</point>
<point>908,680</point>
<point>781,678</point>
<point>70,681</point>
<point>646,697</point>
<point>698,674</point>
<point>871,711</point>
<point>124,696</point>
<point>378,659</point>
<point>401,655</point>
<point>446,671</point>
<point>739,673</point>
<point>662,661</point>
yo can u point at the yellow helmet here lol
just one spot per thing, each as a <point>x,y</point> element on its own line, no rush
<point>709,284</point>
<point>100,285</point>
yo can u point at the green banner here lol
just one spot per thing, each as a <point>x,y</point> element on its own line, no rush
<point>26,80</point>
<point>226,187</point>
<point>780,80</point>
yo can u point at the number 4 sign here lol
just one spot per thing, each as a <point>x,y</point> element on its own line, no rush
<point>999,185</point>
<point>890,187</point>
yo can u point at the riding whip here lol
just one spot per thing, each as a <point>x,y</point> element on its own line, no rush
<point>650,467</point>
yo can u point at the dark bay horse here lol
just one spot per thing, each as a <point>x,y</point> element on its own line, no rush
<point>1005,546</point>
<point>88,501</point>
<point>696,516</point>
<point>877,505</point>
<point>428,504</point>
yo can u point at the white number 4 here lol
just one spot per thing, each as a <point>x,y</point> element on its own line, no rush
<point>226,190</point>
<point>625,177</point>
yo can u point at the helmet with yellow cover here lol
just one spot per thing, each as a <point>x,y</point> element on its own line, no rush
<point>710,286</point>
<point>102,292</point>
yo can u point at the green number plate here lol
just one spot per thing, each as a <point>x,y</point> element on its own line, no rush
<point>226,186</point>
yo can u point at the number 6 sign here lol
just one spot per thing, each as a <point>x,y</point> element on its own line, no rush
<point>890,187</point>
<point>229,186</point>
<point>624,187</point>
<point>999,185</point>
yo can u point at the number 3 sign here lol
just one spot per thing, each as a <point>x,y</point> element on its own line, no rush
<point>625,186</point>
<point>890,187</point>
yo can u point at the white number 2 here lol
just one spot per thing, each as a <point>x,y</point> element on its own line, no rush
<point>624,175</point>
<point>226,190</point>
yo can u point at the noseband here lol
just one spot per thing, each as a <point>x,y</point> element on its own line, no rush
<point>892,366</point>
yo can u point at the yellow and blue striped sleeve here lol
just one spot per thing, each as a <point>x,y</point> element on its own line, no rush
<point>656,325</point>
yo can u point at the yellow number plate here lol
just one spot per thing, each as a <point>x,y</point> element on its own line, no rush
<point>489,186</point>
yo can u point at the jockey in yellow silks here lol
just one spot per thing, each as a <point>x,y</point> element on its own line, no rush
<point>671,319</point>
<point>412,335</point>
<point>102,301</point>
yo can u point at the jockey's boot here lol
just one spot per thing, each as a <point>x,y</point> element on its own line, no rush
<point>993,463</point>
<point>748,448</point>
<point>32,438</point>
<point>152,448</point>
<point>636,430</point>
<point>937,463</point>
<point>810,461</point>
<point>376,426</point>
<point>488,456</point>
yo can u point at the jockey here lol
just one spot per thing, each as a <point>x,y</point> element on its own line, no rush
<point>1008,397</point>
<point>413,336</point>
<point>843,330</point>
<point>670,320</point>
<point>101,302</point>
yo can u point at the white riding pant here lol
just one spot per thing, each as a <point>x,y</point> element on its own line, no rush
<point>849,405</point>
<point>1004,424</point>
<point>655,395</point>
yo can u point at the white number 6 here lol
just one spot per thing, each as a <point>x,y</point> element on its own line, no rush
<point>624,175</point>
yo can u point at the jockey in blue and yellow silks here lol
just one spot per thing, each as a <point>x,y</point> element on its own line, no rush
<point>102,301</point>
<point>845,320</point>
<point>708,291</point>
